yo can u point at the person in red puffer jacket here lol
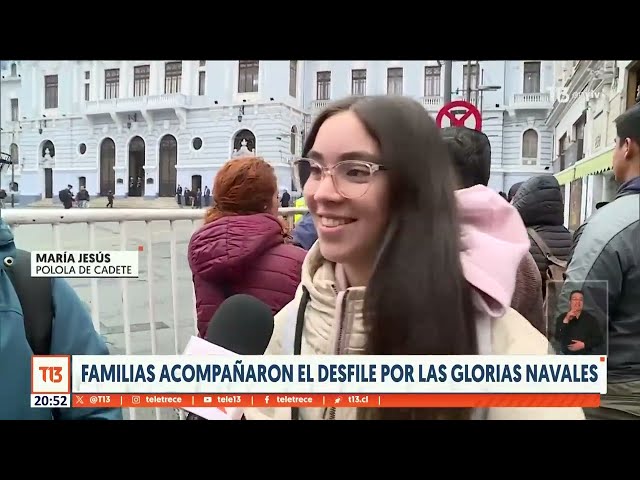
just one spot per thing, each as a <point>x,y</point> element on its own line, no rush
<point>243,245</point>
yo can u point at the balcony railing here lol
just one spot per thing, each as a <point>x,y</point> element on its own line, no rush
<point>318,105</point>
<point>432,102</point>
<point>532,100</point>
<point>152,102</point>
<point>151,315</point>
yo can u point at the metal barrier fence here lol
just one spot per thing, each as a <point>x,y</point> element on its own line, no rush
<point>116,305</point>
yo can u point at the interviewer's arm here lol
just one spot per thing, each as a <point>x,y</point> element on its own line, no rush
<point>73,334</point>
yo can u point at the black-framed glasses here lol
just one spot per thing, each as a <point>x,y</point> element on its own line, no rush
<point>351,178</point>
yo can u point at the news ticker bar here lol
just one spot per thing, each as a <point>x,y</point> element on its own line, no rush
<point>345,400</point>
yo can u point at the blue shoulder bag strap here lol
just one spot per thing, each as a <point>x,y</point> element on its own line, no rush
<point>36,299</point>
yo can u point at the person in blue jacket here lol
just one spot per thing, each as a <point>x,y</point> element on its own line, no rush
<point>304,233</point>
<point>72,333</point>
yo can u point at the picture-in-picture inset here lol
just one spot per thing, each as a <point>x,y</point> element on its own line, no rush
<point>577,321</point>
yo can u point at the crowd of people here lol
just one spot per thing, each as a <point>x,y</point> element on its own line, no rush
<point>405,250</point>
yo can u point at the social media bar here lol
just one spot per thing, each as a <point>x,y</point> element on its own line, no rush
<point>174,400</point>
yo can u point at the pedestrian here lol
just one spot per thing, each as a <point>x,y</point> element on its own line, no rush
<point>179,195</point>
<point>286,198</point>
<point>242,246</point>
<point>83,197</point>
<point>605,267</point>
<point>540,204</point>
<point>66,197</point>
<point>470,152</point>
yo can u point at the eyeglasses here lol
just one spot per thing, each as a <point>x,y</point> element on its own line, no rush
<point>351,178</point>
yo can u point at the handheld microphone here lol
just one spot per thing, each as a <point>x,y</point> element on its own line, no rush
<point>242,325</point>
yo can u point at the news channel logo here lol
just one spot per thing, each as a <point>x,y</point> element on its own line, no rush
<point>564,95</point>
<point>51,374</point>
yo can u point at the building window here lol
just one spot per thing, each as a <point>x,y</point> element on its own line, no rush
<point>293,77</point>
<point>51,91</point>
<point>111,83</point>
<point>141,80</point>
<point>530,146</point>
<point>203,63</point>
<point>579,126</point>
<point>248,76</point>
<point>172,77</point>
<point>359,82</point>
<point>202,76</point>
<point>87,86</point>
<point>14,70</point>
<point>431,81</point>
<point>15,113</point>
<point>531,77</point>
<point>394,81</point>
<point>323,85</point>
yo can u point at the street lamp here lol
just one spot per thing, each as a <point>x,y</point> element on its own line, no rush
<point>486,88</point>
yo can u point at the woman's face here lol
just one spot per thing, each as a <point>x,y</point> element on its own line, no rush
<point>350,230</point>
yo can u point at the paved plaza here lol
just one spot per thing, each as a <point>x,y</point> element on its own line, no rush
<point>76,237</point>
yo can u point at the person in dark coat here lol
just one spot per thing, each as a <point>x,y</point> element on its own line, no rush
<point>305,233</point>
<point>286,198</point>
<point>539,202</point>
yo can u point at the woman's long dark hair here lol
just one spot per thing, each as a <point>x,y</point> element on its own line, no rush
<point>418,301</point>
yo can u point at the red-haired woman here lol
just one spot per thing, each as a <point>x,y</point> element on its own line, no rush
<point>242,246</point>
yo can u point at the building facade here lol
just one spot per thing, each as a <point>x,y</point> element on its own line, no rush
<point>591,96</point>
<point>140,128</point>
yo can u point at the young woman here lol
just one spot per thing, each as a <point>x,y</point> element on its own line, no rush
<point>403,265</point>
<point>242,247</point>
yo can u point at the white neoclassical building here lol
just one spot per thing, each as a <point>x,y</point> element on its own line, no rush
<point>139,128</point>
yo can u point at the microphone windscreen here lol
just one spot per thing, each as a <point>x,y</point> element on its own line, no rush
<point>242,324</point>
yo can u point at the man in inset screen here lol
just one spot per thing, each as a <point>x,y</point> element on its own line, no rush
<point>577,332</point>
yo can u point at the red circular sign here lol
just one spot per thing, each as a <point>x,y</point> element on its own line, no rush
<point>469,110</point>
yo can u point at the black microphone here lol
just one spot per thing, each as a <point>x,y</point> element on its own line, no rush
<point>242,324</point>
